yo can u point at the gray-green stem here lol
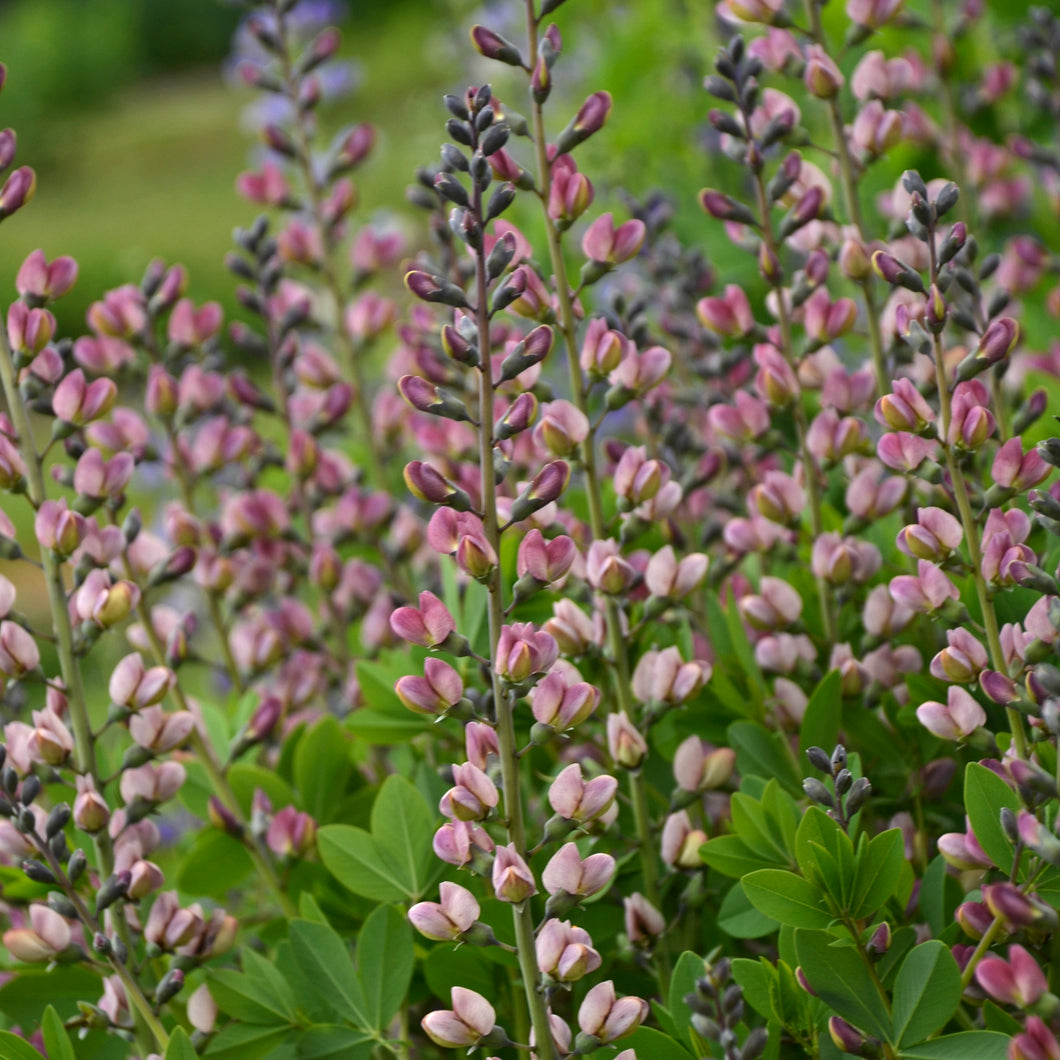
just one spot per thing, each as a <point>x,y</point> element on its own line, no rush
<point>813,486</point>
<point>616,642</point>
<point>84,745</point>
<point>850,192</point>
<point>971,526</point>
<point>522,917</point>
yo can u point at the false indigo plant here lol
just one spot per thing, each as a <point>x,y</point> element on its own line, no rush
<point>692,693</point>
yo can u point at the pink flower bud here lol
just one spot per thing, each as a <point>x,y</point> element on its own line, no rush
<point>624,743</point>
<point>962,661</point>
<point>576,799</point>
<point>428,626</point>
<point>729,316</point>
<point>78,402</point>
<point>19,653</point>
<point>523,652</point>
<point>667,578</point>
<point>438,691</point>
<point>39,281</point>
<point>91,812</point>
<point>291,833</point>
<point>681,842</point>
<point>545,561</point>
<point>470,1020</point>
<point>1018,981</point>
<point>447,920</point>
<point>822,77</point>
<point>605,568</point>
<point>134,687</point>
<point>565,953</point>
<point>17,191</point>
<point>664,677</point>
<point>473,795</point>
<point>925,592</point>
<point>607,245</point>
<point>562,705</point>
<point>607,1018</point>
<point>956,719</point>
<point>48,936</point>
<point>568,873</point>
<point>512,879</point>
<point>933,537</point>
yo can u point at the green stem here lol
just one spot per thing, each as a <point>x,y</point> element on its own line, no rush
<point>849,181</point>
<point>616,640</point>
<point>522,916</point>
<point>813,485</point>
<point>84,742</point>
<point>304,153</point>
<point>971,526</point>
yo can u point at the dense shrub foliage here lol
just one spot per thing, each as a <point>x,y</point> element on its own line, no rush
<point>608,645</point>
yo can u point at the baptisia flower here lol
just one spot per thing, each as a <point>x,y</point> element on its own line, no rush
<point>471,1019</point>
<point>956,719</point>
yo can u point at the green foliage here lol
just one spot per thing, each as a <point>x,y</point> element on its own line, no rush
<point>393,861</point>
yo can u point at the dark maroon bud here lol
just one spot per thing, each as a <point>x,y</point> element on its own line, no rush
<point>725,208</point>
<point>460,131</point>
<point>435,289</point>
<point>590,119</point>
<point>31,788</point>
<point>494,46</point>
<point>8,145</point>
<point>726,123</point>
<point>500,200</point>
<point>169,986</point>
<point>818,792</point>
<point>37,871</point>
<point>457,347</point>
<point>896,272</point>
<point>456,107</point>
<point>57,820</point>
<point>819,759</point>
<point>914,184</point>
<point>450,188</point>
<point>426,397</point>
<point>495,137</point>
<point>947,199</point>
<point>322,48</point>
<point>76,865</point>
<point>500,257</point>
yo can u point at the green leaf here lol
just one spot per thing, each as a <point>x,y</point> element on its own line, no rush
<point>755,979</point>
<point>690,966</point>
<point>985,794</point>
<point>216,863</point>
<point>56,1040</point>
<point>968,1045</point>
<point>446,967</point>
<point>324,961</point>
<point>343,1043</point>
<point>730,856</point>
<point>648,1043</point>
<point>353,857</point>
<point>840,979</point>
<point>756,826</point>
<point>879,870</point>
<point>824,714</point>
<point>385,959</point>
<point>25,997</point>
<point>787,898</point>
<point>926,993</point>
<point>322,768</point>
<point>759,753</point>
<point>246,778</point>
<point>403,826</point>
<point>825,854</point>
<point>12,1047</point>
<point>242,1041</point>
<point>939,895</point>
<point>179,1048</point>
<point>739,919</point>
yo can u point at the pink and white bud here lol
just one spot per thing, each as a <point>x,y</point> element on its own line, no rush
<point>625,744</point>
<point>436,692</point>
<point>46,938</point>
<point>667,578</point>
<point>956,719</point>
<point>471,1019</point>
<point>933,537</point>
<point>448,919</point>
<point>472,796</point>
<point>512,879</point>
<point>19,654</point>
<point>608,1018</point>
<point>136,687</point>
<point>681,842</point>
<point>567,872</point>
<point>576,799</point>
<point>608,245</point>
<point>565,953</point>
<point>962,661</point>
<point>428,625</point>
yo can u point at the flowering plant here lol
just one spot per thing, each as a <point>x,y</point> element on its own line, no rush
<point>640,665</point>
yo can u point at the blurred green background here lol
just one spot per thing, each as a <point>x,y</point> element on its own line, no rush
<point>122,108</point>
